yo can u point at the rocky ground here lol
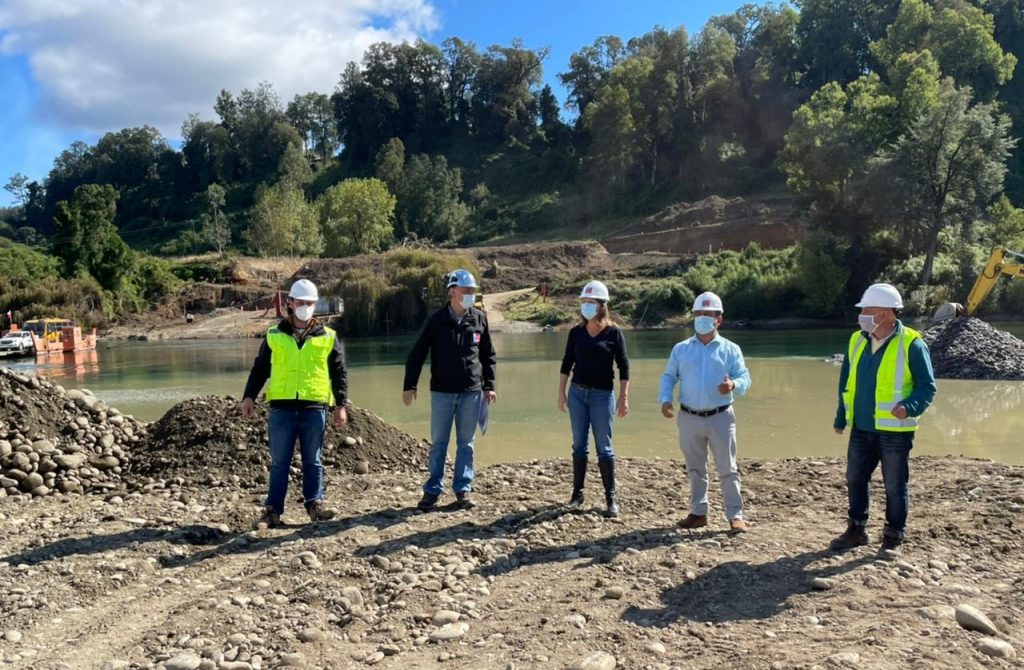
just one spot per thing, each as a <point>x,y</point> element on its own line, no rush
<point>172,576</point>
<point>969,348</point>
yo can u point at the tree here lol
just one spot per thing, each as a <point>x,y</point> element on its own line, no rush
<point>17,186</point>
<point>946,170</point>
<point>86,241</point>
<point>313,116</point>
<point>429,202</point>
<point>504,106</point>
<point>356,217</point>
<point>588,69</point>
<point>215,224</point>
<point>389,165</point>
<point>281,222</point>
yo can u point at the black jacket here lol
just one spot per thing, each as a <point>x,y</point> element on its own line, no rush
<point>260,372</point>
<point>461,354</point>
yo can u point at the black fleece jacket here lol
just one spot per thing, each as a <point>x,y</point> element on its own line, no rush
<point>462,357</point>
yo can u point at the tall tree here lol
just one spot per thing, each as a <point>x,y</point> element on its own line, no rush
<point>215,224</point>
<point>281,222</point>
<point>356,217</point>
<point>313,116</point>
<point>86,240</point>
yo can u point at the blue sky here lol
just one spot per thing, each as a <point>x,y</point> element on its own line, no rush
<point>75,69</point>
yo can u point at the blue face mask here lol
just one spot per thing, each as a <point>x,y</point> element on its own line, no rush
<point>468,300</point>
<point>588,310</point>
<point>704,325</point>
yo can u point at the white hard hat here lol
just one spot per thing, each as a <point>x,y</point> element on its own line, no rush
<point>461,278</point>
<point>303,290</point>
<point>881,295</point>
<point>707,301</point>
<point>595,290</point>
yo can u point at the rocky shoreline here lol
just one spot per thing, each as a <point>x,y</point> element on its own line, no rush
<point>172,576</point>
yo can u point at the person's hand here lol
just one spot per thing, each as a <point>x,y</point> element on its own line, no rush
<point>490,397</point>
<point>727,385</point>
<point>622,406</point>
<point>666,410</point>
<point>340,416</point>
<point>561,402</point>
<point>900,412</point>
<point>248,408</point>
<point>408,396</point>
<point>839,431</point>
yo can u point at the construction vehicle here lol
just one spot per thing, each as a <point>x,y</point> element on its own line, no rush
<point>1001,262</point>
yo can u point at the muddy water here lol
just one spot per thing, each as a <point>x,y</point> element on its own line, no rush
<point>788,412</point>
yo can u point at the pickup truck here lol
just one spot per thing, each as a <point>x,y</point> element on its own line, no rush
<point>18,342</point>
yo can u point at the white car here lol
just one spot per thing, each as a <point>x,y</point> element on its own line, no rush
<point>19,340</point>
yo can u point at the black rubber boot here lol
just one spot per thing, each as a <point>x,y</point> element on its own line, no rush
<point>579,473</point>
<point>608,478</point>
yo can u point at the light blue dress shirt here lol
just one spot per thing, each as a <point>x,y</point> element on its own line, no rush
<point>699,368</point>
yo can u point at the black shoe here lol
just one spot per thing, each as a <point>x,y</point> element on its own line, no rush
<point>579,474</point>
<point>427,501</point>
<point>464,500</point>
<point>855,536</point>
<point>317,512</point>
<point>607,469</point>
<point>891,542</point>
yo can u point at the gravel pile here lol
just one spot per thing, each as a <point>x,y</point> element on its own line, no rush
<point>56,440</point>
<point>207,441</point>
<point>969,348</point>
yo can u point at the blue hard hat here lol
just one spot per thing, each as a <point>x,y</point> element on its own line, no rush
<point>461,278</point>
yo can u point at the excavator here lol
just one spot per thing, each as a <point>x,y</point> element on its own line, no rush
<point>1001,262</point>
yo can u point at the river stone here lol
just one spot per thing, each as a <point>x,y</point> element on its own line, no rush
<point>31,481</point>
<point>614,592</point>
<point>71,461</point>
<point>312,635</point>
<point>13,636</point>
<point>362,468</point>
<point>822,584</point>
<point>294,660</point>
<point>656,648</point>
<point>354,595</point>
<point>937,612</point>
<point>450,631</point>
<point>990,646</point>
<point>598,660</point>
<point>972,619</point>
<point>43,447</point>
<point>442,617</point>
<point>350,441</point>
<point>186,660</point>
<point>104,462</point>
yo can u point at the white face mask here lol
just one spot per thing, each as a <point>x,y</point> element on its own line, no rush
<point>588,310</point>
<point>468,300</point>
<point>704,325</point>
<point>867,323</point>
<point>304,312</point>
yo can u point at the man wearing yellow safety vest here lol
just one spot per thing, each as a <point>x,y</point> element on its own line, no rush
<point>885,384</point>
<point>306,366</point>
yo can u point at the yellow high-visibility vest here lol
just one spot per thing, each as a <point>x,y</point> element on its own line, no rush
<point>300,374</point>
<point>893,383</point>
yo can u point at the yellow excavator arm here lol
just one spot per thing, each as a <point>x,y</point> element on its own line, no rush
<point>1002,262</point>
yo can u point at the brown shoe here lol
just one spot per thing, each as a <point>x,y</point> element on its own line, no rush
<point>269,519</point>
<point>317,512</point>
<point>737,526</point>
<point>694,521</point>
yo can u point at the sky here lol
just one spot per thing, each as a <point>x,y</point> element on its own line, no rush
<point>76,69</point>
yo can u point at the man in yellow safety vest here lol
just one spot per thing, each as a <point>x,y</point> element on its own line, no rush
<point>885,384</point>
<point>306,366</point>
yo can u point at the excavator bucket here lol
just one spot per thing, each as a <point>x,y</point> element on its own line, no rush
<point>946,311</point>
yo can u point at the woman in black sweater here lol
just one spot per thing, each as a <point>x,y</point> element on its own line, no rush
<point>593,346</point>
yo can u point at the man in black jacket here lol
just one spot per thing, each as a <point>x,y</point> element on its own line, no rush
<point>306,366</point>
<point>462,364</point>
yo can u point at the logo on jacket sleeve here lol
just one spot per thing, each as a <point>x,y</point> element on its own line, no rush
<point>476,338</point>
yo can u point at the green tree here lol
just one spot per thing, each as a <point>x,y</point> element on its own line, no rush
<point>429,200</point>
<point>312,114</point>
<point>504,105</point>
<point>946,170</point>
<point>17,186</point>
<point>389,165</point>
<point>281,222</point>
<point>216,231</point>
<point>86,241</point>
<point>356,217</point>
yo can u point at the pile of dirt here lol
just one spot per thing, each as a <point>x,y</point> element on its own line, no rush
<point>969,348</point>
<point>207,441</point>
<point>56,440</point>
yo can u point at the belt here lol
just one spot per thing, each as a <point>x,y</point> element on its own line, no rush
<point>704,412</point>
<point>589,388</point>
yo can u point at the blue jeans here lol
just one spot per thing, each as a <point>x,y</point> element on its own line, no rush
<point>591,409</point>
<point>866,449</point>
<point>462,409</point>
<point>285,425</point>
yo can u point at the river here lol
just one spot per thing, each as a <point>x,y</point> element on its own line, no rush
<point>787,413</point>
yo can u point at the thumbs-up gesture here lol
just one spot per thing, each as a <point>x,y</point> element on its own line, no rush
<point>727,385</point>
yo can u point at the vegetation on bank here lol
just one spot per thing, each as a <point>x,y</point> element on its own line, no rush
<point>891,121</point>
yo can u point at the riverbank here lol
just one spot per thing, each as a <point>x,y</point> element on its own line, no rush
<point>170,575</point>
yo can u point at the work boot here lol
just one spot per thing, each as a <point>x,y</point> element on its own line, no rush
<point>891,543</point>
<point>607,469</point>
<point>317,511</point>
<point>693,521</point>
<point>464,500</point>
<point>737,526</point>
<point>427,502</point>
<point>579,473</point>
<point>269,519</point>
<point>855,536</point>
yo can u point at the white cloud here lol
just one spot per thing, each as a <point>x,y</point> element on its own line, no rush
<point>107,64</point>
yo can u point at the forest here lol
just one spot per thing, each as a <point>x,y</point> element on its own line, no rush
<point>894,125</point>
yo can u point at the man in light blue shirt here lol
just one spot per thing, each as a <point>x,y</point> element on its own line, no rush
<point>710,372</point>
